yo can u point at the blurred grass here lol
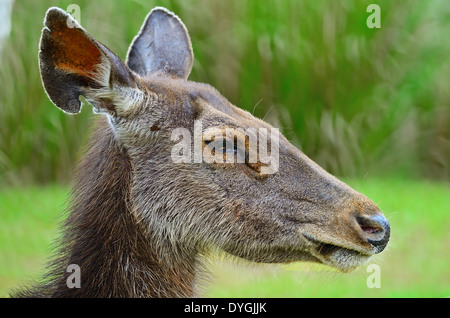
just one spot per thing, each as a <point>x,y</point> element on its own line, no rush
<point>356,100</point>
<point>28,226</point>
<point>415,264</point>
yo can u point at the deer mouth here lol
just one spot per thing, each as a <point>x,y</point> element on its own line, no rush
<point>343,258</point>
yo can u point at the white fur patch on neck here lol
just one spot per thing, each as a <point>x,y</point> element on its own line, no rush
<point>122,98</point>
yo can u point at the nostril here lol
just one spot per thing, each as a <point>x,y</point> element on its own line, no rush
<point>376,230</point>
<point>370,229</point>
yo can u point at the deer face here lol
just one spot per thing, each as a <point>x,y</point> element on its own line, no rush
<point>199,178</point>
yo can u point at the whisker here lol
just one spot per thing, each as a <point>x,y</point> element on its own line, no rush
<point>254,107</point>
<point>267,112</point>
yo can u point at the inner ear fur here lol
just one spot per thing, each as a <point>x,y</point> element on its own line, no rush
<point>73,63</point>
<point>163,46</point>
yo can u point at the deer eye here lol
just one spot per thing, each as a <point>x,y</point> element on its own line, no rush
<point>234,152</point>
<point>228,147</point>
<point>223,146</point>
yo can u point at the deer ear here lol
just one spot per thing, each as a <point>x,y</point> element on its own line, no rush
<point>162,46</point>
<point>72,63</point>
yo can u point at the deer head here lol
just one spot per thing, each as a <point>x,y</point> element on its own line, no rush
<point>281,210</point>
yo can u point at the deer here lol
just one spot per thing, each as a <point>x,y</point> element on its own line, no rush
<point>140,225</point>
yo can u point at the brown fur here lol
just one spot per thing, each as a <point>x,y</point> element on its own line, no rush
<point>103,237</point>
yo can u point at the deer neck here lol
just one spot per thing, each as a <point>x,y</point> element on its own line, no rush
<point>117,255</point>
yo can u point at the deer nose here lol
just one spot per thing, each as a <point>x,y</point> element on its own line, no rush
<point>376,229</point>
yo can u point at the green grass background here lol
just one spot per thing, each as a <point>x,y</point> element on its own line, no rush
<point>369,105</point>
